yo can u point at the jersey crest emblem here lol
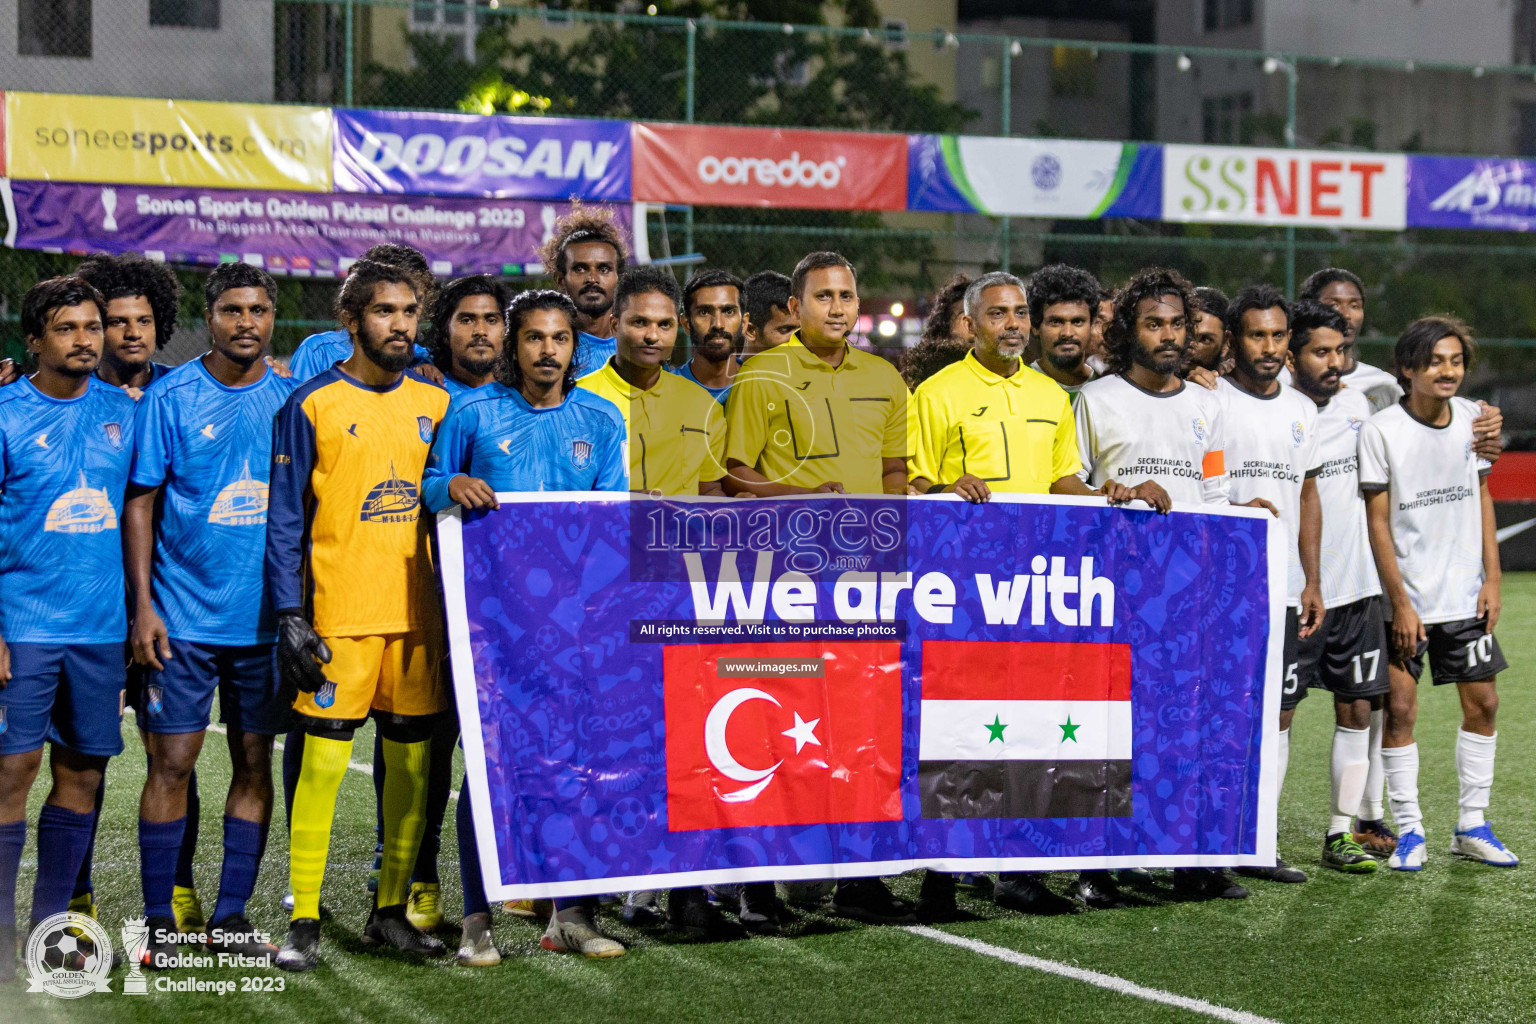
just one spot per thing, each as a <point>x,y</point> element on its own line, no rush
<point>581,454</point>
<point>392,501</point>
<point>114,432</point>
<point>1198,424</point>
<point>153,700</point>
<point>326,695</point>
<point>424,428</point>
<point>85,509</point>
<point>1298,433</point>
<point>1355,423</point>
<point>240,503</point>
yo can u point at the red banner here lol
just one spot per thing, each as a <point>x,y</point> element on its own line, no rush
<point>706,165</point>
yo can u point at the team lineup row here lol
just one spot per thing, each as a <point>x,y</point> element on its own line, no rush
<point>268,526</point>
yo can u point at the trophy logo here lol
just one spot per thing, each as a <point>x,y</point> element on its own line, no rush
<point>135,941</point>
<point>109,204</point>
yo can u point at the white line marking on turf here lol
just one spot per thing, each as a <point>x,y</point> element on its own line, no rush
<point>1106,981</point>
<point>357,766</point>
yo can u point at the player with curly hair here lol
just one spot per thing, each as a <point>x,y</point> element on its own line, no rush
<point>585,257</point>
<point>321,351</point>
<point>142,297</point>
<point>1063,302</point>
<point>946,338</point>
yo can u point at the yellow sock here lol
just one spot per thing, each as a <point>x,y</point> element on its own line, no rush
<point>405,801</point>
<point>314,806</point>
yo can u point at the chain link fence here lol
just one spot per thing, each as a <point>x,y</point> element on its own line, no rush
<point>674,62</point>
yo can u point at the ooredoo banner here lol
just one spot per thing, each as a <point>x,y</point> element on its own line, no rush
<point>192,144</point>
<point>1033,177</point>
<point>1467,192</point>
<point>708,165</point>
<point>1311,188</point>
<point>471,155</point>
<point>294,233</point>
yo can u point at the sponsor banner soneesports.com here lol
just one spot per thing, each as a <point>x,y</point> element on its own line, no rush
<point>481,155</point>
<point>711,165</point>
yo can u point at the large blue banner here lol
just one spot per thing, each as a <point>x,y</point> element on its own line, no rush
<point>673,692</point>
<point>504,157</point>
<point>1471,192</point>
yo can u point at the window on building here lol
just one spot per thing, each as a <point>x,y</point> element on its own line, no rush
<point>1074,72</point>
<point>184,13</point>
<point>1224,14</point>
<point>53,28</point>
<point>452,18</point>
<point>895,30</point>
<point>1222,117</point>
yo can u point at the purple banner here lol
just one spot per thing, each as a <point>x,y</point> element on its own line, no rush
<point>473,155</point>
<point>298,233</point>
<point>1469,192</point>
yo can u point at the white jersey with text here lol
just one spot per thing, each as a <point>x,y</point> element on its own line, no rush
<point>1434,480</point>
<point>1347,571</point>
<point>1071,389</point>
<point>1271,448</point>
<point>1130,435</point>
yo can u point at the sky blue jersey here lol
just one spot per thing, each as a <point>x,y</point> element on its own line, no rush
<point>319,352</point>
<point>494,434</point>
<point>455,386</point>
<point>210,448</point>
<point>63,471</point>
<point>686,372</point>
<point>592,352</point>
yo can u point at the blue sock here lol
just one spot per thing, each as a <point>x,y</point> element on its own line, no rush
<point>158,843</point>
<point>13,836</point>
<point>293,760</point>
<point>83,883</point>
<point>469,860</point>
<point>62,839</point>
<point>189,836</point>
<point>244,843</point>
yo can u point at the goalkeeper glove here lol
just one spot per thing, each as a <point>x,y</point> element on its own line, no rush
<point>300,653</point>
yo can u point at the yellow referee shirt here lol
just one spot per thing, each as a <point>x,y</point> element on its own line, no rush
<point>1017,433</point>
<point>676,430</point>
<point>801,422</point>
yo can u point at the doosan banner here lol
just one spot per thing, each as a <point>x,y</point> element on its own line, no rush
<point>287,232</point>
<point>186,143</point>
<point>675,692</point>
<point>473,155</point>
<point>1304,188</point>
<point>709,165</point>
<point>1033,177</point>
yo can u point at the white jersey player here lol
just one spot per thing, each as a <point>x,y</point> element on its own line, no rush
<point>1433,537</point>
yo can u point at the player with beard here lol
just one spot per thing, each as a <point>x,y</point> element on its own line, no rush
<point>359,616</point>
<point>1347,656</point>
<point>1435,543</point>
<point>1063,302</point>
<point>195,526</point>
<point>1343,291</point>
<point>1143,423</point>
<point>1272,460</point>
<point>142,298</point>
<point>67,442</point>
<point>712,305</point>
<point>1208,339</point>
<point>319,352</point>
<point>768,321</point>
<point>468,331</point>
<point>585,257</point>
<point>563,438</point>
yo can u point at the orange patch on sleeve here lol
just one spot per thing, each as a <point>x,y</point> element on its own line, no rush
<point>1214,464</point>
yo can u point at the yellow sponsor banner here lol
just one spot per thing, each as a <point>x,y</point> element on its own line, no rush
<point>60,137</point>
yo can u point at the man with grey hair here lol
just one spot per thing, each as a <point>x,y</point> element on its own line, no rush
<point>989,423</point>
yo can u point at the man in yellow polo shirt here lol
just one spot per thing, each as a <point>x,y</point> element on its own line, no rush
<point>815,414</point>
<point>675,428</point>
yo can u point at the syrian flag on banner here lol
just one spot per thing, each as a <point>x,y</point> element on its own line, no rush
<point>1025,730</point>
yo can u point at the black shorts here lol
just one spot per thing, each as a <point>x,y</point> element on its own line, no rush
<point>1348,656</point>
<point>1459,652</point>
<point>1294,691</point>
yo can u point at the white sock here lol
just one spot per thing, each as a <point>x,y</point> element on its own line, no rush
<point>1285,756</point>
<point>1401,765</point>
<point>1474,769</point>
<point>1370,803</point>
<point>1347,768</point>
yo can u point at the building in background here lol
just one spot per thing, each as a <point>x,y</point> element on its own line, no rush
<point>222,48</point>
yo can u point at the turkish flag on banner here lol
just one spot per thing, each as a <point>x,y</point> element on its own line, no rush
<point>755,739</point>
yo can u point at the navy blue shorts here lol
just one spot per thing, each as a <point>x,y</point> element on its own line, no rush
<point>179,698</point>
<point>70,694</point>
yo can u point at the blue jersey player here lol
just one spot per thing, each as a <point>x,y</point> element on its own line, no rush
<point>142,297</point>
<point>66,441</point>
<point>532,430</point>
<point>202,625</point>
<point>469,330</point>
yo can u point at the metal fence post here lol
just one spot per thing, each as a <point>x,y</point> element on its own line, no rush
<point>1004,245</point>
<point>346,83</point>
<point>1290,141</point>
<point>689,76</point>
